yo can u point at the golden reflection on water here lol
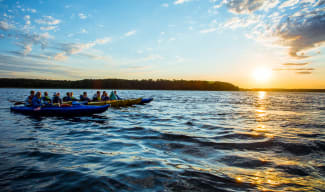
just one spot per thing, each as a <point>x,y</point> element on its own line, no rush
<point>271,178</point>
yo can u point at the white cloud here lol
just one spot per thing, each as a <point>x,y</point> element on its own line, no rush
<point>130,33</point>
<point>31,10</point>
<point>82,16</point>
<point>84,31</point>
<point>27,49</point>
<point>48,28</point>
<point>60,56</point>
<point>48,20</point>
<point>5,26</point>
<point>27,19</point>
<point>289,3</point>
<point>76,48</point>
<point>208,30</point>
<point>236,22</point>
<point>165,5</point>
<point>181,1</point>
<point>103,40</point>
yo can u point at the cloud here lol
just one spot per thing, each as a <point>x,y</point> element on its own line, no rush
<point>84,31</point>
<point>6,26</point>
<point>298,31</point>
<point>27,48</point>
<point>181,1</point>
<point>28,40</point>
<point>288,3</point>
<point>293,69</point>
<point>208,30</point>
<point>27,19</point>
<point>294,64</point>
<point>242,6</point>
<point>237,22</point>
<point>82,16</point>
<point>164,5</point>
<point>48,28</point>
<point>76,48</point>
<point>28,66</point>
<point>60,56</point>
<point>130,33</point>
<point>48,20</point>
<point>103,40</point>
<point>302,33</point>
<point>304,72</point>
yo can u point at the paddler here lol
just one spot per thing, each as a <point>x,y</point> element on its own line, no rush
<point>115,93</point>
<point>112,96</point>
<point>71,97</point>
<point>105,96</point>
<point>36,101</point>
<point>96,96</point>
<point>56,98</point>
<point>46,99</point>
<point>84,97</point>
<point>67,97</point>
<point>28,101</point>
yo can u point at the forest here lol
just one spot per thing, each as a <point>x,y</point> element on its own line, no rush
<point>146,84</point>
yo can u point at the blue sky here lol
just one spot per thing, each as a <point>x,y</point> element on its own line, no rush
<point>223,40</point>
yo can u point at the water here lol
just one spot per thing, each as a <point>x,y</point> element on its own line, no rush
<point>182,141</point>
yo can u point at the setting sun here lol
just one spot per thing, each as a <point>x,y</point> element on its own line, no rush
<point>262,74</point>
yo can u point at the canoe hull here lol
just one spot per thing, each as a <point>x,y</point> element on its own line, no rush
<point>78,110</point>
<point>146,100</point>
<point>118,103</point>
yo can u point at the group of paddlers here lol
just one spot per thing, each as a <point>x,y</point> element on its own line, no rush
<point>37,100</point>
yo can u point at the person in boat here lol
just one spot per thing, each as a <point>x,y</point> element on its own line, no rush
<point>46,99</point>
<point>96,96</point>
<point>56,98</point>
<point>28,101</point>
<point>115,93</point>
<point>113,96</point>
<point>72,98</point>
<point>37,101</point>
<point>84,97</point>
<point>67,97</point>
<point>105,96</point>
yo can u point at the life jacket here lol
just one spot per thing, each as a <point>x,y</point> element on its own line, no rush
<point>112,96</point>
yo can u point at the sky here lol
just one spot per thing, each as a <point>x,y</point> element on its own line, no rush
<point>215,40</point>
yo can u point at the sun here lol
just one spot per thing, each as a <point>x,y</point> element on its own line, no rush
<point>262,74</point>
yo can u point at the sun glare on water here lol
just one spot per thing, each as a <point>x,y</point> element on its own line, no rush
<point>262,75</point>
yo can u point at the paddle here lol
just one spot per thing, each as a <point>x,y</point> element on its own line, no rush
<point>17,102</point>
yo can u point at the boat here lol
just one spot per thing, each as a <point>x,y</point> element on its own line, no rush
<point>118,103</point>
<point>145,100</point>
<point>74,110</point>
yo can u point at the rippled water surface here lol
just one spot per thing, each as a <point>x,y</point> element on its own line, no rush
<point>181,141</point>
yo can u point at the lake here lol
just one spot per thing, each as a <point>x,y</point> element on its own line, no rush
<point>181,141</point>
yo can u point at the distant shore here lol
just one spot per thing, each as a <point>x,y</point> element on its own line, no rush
<point>160,84</point>
<point>149,84</point>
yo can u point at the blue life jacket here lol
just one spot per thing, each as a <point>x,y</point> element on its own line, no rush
<point>36,102</point>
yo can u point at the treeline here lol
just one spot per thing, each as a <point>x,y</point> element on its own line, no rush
<point>149,84</point>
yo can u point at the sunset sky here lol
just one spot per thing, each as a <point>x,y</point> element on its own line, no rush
<point>218,40</point>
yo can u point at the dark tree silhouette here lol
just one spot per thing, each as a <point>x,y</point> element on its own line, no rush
<point>159,84</point>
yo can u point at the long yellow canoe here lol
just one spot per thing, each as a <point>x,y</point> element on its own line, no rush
<point>118,103</point>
